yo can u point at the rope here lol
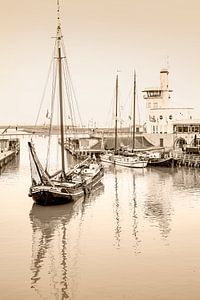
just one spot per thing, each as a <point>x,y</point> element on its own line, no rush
<point>71,84</point>
<point>52,113</point>
<point>45,88</point>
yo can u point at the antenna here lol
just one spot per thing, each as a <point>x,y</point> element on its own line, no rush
<point>58,12</point>
<point>167,61</point>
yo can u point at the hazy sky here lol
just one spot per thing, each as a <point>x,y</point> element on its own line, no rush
<point>100,37</point>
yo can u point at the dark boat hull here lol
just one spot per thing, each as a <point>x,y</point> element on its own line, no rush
<point>50,198</point>
<point>46,195</point>
<point>161,162</point>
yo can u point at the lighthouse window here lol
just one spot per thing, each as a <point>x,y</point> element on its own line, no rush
<point>161,117</point>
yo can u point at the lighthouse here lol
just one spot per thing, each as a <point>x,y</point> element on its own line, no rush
<point>158,97</point>
<point>160,115</point>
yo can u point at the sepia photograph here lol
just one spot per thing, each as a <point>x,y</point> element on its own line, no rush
<point>99,150</point>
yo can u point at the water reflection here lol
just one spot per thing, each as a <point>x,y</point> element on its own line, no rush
<point>117,211</point>
<point>157,206</point>
<point>49,225</point>
<point>54,230</point>
<point>134,216</point>
<point>125,204</point>
<point>11,167</point>
<point>187,179</point>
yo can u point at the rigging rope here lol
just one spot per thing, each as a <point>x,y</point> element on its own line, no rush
<point>45,88</point>
<point>54,80</point>
<point>71,84</point>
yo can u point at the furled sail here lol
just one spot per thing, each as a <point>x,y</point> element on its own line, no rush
<point>38,174</point>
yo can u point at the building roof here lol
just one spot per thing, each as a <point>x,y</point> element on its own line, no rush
<point>170,108</point>
<point>152,89</point>
<point>187,122</point>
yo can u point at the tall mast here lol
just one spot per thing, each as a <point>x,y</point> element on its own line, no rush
<point>134,100</point>
<point>116,109</point>
<point>59,37</point>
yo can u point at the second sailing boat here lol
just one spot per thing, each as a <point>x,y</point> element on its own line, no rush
<point>133,161</point>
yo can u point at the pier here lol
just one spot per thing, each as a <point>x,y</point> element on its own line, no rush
<point>9,148</point>
<point>84,147</point>
<point>188,160</point>
<point>6,157</point>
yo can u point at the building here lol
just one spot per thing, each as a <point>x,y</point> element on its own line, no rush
<point>4,144</point>
<point>162,118</point>
<point>186,133</point>
<point>160,115</point>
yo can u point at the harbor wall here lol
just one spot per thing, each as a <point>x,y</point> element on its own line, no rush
<point>6,157</point>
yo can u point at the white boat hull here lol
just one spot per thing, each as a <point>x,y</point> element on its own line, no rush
<point>125,161</point>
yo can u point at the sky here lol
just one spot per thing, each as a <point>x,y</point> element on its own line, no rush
<point>101,37</point>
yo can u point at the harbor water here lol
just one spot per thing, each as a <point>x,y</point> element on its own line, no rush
<point>135,237</point>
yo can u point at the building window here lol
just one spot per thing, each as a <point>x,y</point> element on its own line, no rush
<point>170,117</point>
<point>179,129</point>
<point>149,104</point>
<point>155,105</point>
<point>174,129</point>
<point>161,117</point>
<point>161,143</point>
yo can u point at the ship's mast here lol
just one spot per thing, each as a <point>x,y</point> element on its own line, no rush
<point>116,110</point>
<point>134,100</point>
<point>59,37</point>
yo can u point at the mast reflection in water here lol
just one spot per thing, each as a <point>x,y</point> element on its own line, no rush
<point>53,236</point>
<point>125,202</point>
<point>157,207</point>
<point>135,238</point>
<point>133,211</point>
<point>117,212</point>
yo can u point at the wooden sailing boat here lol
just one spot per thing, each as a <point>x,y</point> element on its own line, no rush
<point>132,150</point>
<point>131,161</point>
<point>62,186</point>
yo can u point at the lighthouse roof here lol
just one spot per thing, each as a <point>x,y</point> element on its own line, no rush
<point>152,89</point>
<point>164,71</point>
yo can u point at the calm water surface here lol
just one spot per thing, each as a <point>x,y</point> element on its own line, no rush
<point>135,237</point>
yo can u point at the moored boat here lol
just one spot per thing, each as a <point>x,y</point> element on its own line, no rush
<point>131,159</point>
<point>125,161</point>
<point>161,162</point>
<point>63,186</point>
